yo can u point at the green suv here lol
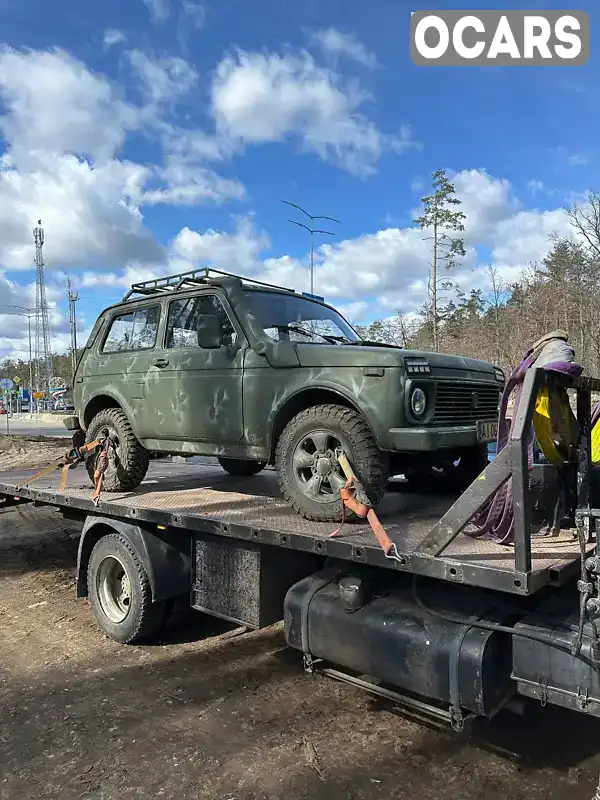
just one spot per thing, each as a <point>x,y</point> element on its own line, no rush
<point>207,363</point>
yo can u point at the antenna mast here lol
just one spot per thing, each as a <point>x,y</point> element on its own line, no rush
<point>73,298</point>
<point>43,346</point>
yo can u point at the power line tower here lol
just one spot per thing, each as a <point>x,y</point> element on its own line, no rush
<point>43,346</point>
<point>73,298</point>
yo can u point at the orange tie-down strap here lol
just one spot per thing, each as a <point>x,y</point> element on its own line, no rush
<point>354,498</point>
<point>70,459</point>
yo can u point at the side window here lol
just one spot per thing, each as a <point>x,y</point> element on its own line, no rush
<point>134,331</point>
<point>186,315</point>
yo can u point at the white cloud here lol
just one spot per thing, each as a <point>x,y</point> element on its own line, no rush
<point>579,159</point>
<point>233,252</point>
<point>90,212</point>
<point>113,36</point>
<point>525,237</point>
<point>193,14</point>
<point>53,104</point>
<point>159,10</point>
<point>267,97</point>
<point>535,186</point>
<point>162,79</point>
<point>334,44</point>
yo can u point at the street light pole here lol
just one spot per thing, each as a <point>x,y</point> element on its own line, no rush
<point>312,232</point>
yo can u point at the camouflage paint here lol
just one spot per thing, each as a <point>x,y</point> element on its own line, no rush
<point>226,401</point>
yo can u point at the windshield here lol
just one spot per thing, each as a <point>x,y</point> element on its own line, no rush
<point>286,318</point>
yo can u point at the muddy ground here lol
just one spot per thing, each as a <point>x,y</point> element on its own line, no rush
<point>201,715</point>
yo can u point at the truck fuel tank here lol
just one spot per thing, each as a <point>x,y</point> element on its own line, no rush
<point>384,633</point>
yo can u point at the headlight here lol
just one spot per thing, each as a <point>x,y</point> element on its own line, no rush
<point>418,402</point>
<point>499,374</point>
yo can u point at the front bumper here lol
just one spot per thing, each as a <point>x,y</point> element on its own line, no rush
<point>431,439</point>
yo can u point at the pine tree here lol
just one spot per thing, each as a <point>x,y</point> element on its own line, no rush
<point>439,217</point>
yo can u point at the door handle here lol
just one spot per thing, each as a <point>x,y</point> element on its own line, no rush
<point>161,362</point>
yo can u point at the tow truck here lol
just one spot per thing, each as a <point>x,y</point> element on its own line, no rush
<point>407,604</point>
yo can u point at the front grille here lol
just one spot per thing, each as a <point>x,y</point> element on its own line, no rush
<point>462,403</point>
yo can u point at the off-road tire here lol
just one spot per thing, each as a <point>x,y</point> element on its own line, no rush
<point>145,618</point>
<point>368,462</point>
<point>241,468</point>
<point>133,458</point>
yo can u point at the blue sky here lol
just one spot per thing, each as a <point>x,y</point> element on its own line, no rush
<point>155,135</point>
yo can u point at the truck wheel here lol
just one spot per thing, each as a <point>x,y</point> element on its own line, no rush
<point>309,477</point>
<point>128,464</point>
<point>119,592</point>
<point>241,468</point>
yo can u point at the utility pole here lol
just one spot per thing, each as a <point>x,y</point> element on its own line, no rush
<point>312,232</point>
<point>43,346</point>
<point>73,298</point>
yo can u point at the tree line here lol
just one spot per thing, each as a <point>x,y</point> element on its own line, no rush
<point>498,323</point>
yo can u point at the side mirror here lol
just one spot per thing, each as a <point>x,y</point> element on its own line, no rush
<point>209,331</point>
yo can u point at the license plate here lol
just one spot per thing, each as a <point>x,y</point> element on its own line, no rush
<point>487,431</point>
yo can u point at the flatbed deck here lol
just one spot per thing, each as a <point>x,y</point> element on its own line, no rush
<point>204,499</point>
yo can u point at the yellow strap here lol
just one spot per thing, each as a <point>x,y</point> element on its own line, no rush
<point>555,440</point>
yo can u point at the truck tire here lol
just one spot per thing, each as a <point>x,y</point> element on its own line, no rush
<point>309,477</point>
<point>241,468</point>
<point>130,463</point>
<point>119,592</point>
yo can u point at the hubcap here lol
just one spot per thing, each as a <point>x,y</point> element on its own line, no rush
<point>114,589</point>
<point>317,472</point>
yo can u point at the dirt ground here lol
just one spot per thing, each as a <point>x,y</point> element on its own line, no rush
<point>18,452</point>
<point>201,715</point>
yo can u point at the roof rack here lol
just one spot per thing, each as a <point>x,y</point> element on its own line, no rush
<point>187,280</point>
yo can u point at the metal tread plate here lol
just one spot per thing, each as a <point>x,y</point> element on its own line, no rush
<point>205,498</point>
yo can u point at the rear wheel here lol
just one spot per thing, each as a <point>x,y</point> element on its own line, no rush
<point>128,460</point>
<point>242,468</point>
<point>119,592</point>
<point>309,476</point>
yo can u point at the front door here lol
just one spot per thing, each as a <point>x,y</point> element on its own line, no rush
<point>197,390</point>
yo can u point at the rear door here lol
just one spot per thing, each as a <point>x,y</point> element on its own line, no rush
<point>122,363</point>
<point>197,391</point>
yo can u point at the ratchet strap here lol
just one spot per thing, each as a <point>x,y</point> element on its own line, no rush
<point>66,462</point>
<point>101,467</point>
<point>355,499</point>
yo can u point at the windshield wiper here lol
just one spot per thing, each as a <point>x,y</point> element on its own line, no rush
<point>309,334</point>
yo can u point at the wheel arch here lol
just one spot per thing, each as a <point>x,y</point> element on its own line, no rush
<point>167,563</point>
<point>101,402</point>
<point>307,398</point>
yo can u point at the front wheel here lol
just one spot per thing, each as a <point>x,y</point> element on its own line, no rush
<point>128,461</point>
<point>119,592</point>
<point>309,476</point>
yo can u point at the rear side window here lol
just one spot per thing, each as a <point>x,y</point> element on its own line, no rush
<point>133,331</point>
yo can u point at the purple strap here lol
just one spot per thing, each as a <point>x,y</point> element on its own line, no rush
<point>495,520</point>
